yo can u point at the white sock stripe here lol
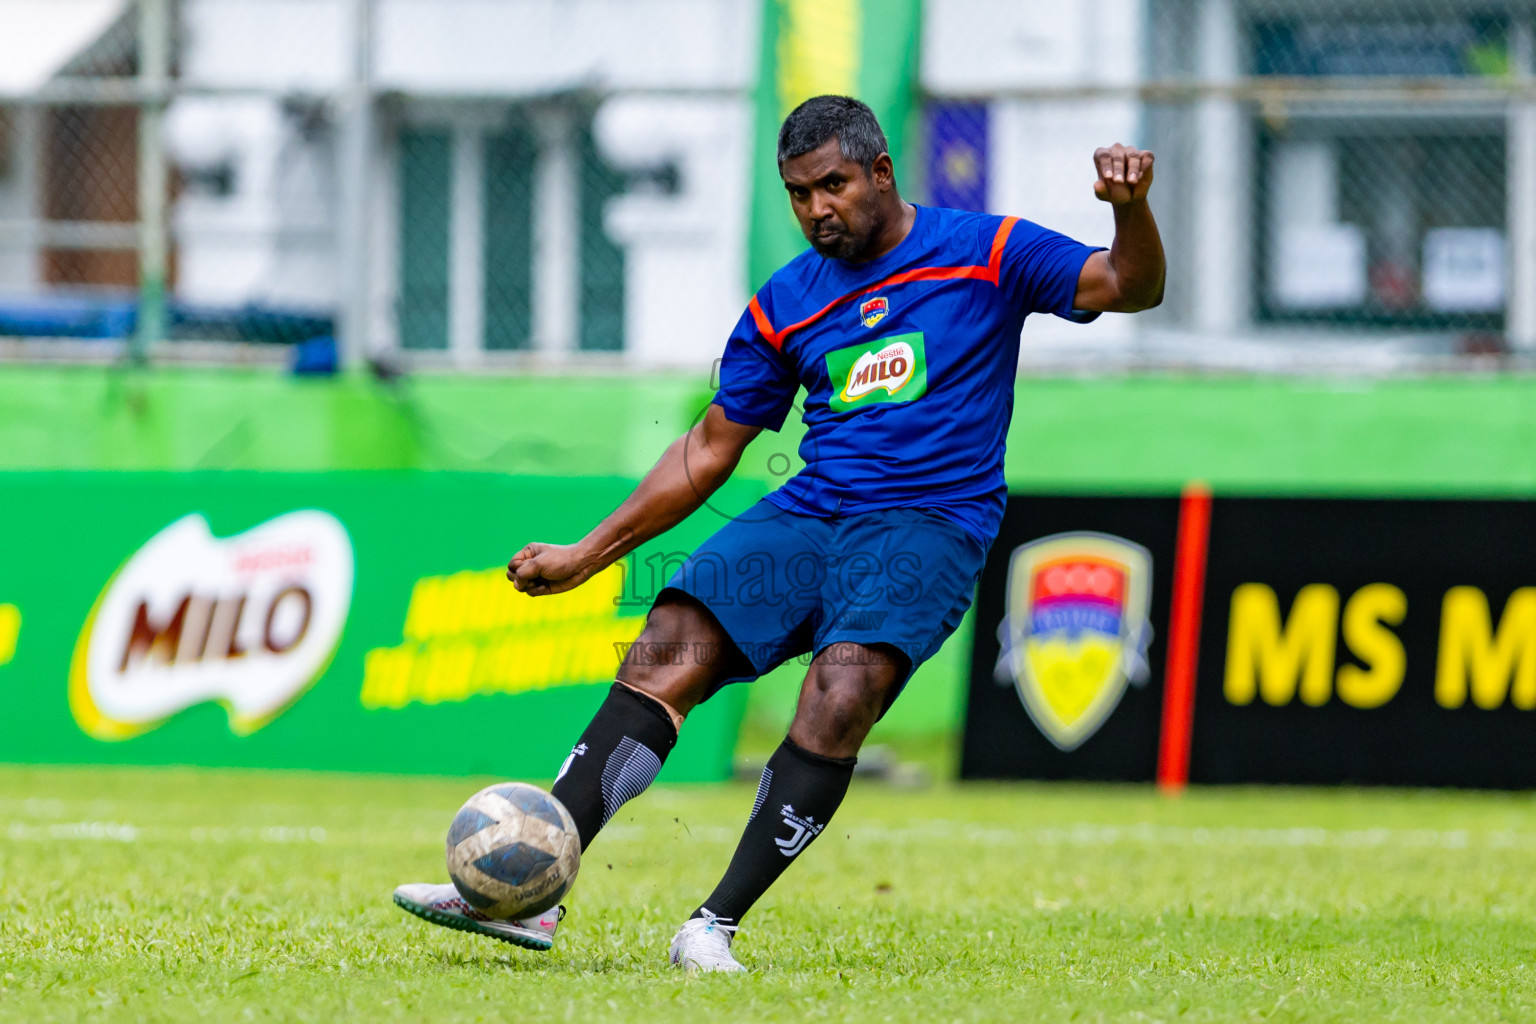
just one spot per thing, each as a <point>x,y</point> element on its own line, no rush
<point>630,769</point>
<point>762,792</point>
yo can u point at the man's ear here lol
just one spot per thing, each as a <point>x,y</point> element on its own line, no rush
<point>883,172</point>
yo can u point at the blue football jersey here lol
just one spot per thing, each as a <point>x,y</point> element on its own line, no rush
<point>908,362</point>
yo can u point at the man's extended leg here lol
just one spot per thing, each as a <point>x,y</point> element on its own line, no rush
<point>619,753</point>
<point>845,692</point>
<point>662,678</point>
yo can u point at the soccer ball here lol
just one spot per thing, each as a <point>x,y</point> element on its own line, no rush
<point>513,851</point>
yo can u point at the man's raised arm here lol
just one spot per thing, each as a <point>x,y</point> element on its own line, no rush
<point>690,470</point>
<point>1130,277</point>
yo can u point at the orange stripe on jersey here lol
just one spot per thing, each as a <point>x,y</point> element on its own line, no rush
<point>995,261</point>
<point>991,272</point>
<point>764,328</point>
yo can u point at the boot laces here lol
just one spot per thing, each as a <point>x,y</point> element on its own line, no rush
<point>713,920</point>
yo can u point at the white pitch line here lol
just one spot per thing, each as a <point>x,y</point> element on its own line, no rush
<point>1180,835</point>
<point>108,830</point>
<point>118,832</point>
<point>1071,835</point>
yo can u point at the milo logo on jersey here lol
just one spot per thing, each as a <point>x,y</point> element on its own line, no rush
<point>1076,629</point>
<point>879,370</point>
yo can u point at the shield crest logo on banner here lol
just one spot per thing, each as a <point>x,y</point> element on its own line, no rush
<point>1076,630</point>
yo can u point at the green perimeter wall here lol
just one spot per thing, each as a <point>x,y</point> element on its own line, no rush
<point>1458,435</point>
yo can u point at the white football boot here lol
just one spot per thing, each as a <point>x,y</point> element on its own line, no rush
<point>442,904</point>
<point>704,944</point>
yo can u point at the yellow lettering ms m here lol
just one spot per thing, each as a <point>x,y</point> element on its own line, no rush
<point>1498,664</point>
<point>1277,662</point>
<point>1265,658</point>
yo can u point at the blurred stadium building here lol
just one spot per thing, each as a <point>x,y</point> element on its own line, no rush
<point>520,183</point>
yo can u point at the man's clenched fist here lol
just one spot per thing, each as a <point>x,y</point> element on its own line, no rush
<point>1125,174</point>
<point>544,569</point>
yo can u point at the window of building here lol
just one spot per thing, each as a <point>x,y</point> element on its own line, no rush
<point>1379,213</point>
<point>1382,223</point>
<point>494,209</point>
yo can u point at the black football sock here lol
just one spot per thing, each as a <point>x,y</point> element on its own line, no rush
<point>618,756</point>
<point>796,797</point>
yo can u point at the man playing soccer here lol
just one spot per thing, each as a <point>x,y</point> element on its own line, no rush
<point>902,323</point>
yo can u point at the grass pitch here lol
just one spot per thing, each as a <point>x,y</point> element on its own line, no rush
<point>171,895</point>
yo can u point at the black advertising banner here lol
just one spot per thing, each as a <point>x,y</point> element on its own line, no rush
<point>1060,682</point>
<point>1388,641</point>
<point>1374,641</point>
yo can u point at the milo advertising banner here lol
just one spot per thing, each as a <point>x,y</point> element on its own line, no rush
<point>328,621</point>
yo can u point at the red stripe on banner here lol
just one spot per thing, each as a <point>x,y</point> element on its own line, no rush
<point>1184,638</point>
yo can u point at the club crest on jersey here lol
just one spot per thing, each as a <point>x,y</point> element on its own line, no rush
<point>872,311</point>
<point>1076,630</point>
<point>879,370</point>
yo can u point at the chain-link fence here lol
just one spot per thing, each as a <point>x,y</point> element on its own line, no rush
<point>69,199</point>
<point>1338,182</point>
<point>139,207</point>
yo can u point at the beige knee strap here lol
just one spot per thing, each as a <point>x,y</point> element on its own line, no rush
<point>677,719</point>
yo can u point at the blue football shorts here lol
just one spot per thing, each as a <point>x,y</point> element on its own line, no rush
<point>783,585</point>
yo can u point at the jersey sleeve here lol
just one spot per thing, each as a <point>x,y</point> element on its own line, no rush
<point>1040,268</point>
<point>757,384</point>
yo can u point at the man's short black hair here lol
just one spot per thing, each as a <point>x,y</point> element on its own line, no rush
<point>820,119</point>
